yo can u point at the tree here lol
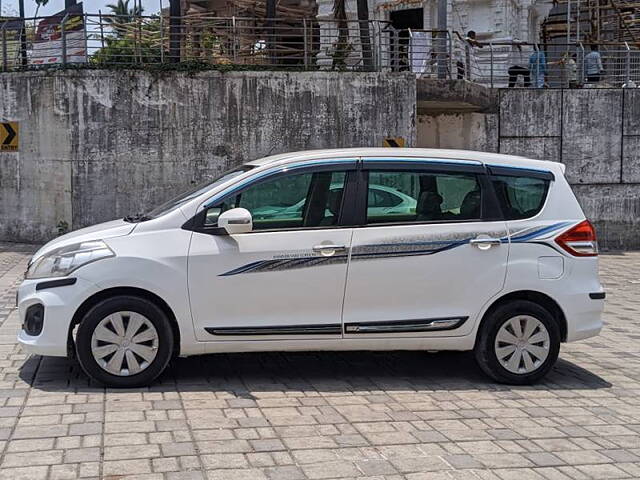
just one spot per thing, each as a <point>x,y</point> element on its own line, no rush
<point>342,45</point>
<point>121,15</point>
<point>365,37</point>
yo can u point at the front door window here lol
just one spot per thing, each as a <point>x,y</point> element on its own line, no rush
<point>304,200</point>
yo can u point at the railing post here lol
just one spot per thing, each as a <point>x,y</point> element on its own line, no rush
<point>491,66</point>
<point>85,19</point>
<point>161,38</point>
<point>581,46</point>
<point>628,64</point>
<point>101,28</point>
<point>467,60</point>
<point>448,34</point>
<point>234,36</point>
<point>63,36</point>
<point>5,63</point>
<point>304,28</point>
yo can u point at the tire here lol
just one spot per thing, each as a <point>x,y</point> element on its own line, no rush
<point>112,353</point>
<point>528,363</point>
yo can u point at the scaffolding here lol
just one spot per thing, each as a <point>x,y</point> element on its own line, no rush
<point>593,21</point>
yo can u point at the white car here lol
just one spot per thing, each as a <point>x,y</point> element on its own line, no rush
<point>496,257</point>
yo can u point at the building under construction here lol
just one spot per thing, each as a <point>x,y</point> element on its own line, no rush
<point>593,21</point>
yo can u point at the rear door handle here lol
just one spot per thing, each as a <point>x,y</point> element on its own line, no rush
<point>485,243</point>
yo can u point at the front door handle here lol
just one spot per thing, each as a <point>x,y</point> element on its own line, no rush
<point>329,249</point>
<point>324,248</point>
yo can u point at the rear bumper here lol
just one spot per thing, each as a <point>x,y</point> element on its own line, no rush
<point>584,315</point>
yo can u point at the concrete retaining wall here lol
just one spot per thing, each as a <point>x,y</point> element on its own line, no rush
<point>596,134</point>
<point>96,145</point>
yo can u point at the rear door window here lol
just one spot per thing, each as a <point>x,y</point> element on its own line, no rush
<point>425,196</point>
<point>520,196</point>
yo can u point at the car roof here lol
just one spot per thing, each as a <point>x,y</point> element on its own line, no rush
<point>432,153</point>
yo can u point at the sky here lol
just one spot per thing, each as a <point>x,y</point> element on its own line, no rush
<point>90,6</point>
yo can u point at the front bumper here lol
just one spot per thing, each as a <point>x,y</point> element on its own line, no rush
<point>60,304</point>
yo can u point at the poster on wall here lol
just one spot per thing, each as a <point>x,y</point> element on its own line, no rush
<point>10,42</point>
<point>47,43</point>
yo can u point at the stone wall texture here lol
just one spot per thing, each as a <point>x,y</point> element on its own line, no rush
<point>596,133</point>
<point>97,145</point>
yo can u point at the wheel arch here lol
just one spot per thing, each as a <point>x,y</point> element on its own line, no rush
<point>97,297</point>
<point>539,298</point>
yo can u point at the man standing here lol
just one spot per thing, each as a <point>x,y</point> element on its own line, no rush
<point>593,65</point>
<point>538,68</point>
<point>518,65</point>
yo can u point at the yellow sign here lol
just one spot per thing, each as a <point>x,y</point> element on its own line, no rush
<point>9,136</point>
<point>395,142</point>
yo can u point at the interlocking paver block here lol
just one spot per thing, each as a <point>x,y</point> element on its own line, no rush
<point>391,415</point>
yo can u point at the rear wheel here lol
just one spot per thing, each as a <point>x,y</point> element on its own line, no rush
<point>518,343</point>
<point>124,341</point>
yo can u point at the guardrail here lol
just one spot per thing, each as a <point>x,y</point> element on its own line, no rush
<point>303,43</point>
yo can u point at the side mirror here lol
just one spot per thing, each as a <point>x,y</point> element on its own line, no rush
<point>236,220</point>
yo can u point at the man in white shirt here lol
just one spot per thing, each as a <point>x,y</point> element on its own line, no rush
<point>593,65</point>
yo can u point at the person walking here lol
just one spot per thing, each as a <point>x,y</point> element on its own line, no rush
<point>518,65</point>
<point>593,65</point>
<point>538,68</point>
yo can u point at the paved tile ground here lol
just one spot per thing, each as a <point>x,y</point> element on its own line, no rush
<point>329,415</point>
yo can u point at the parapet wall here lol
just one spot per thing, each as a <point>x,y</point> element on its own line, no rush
<point>97,145</point>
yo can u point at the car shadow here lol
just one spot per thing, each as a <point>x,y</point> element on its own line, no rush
<point>244,373</point>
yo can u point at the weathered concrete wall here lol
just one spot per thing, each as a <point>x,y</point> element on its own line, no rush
<point>467,131</point>
<point>594,132</point>
<point>96,145</point>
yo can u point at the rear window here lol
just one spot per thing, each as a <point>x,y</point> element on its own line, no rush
<point>520,196</point>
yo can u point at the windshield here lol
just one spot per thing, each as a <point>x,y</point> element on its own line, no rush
<point>191,194</point>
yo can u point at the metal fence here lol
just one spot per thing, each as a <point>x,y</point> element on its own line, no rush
<point>301,43</point>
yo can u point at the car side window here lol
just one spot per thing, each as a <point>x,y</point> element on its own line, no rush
<point>301,200</point>
<point>425,197</point>
<point>520,196</point>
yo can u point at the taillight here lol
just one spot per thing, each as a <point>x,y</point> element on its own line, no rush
<point>580,240</point>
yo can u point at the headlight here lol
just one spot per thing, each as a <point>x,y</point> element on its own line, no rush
<point>64,260</point>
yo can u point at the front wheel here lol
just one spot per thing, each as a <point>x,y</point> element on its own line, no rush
<point>124,341</point>
<point>518,343</point>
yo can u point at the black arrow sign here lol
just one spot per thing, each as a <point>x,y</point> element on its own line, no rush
<point>11,134</point>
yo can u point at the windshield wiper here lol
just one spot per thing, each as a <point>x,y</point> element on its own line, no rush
<point>138,217</point>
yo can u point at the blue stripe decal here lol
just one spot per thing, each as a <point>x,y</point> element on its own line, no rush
<point>383,250</point>
<point>536,233</point>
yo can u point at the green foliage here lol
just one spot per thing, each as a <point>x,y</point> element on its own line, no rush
<point>126,51</point>
<point>134,43</point>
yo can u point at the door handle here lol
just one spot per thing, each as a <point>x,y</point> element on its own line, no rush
<point>485,243</point>
<point>324,248</point>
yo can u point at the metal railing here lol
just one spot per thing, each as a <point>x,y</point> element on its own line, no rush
<point>302,43</point>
